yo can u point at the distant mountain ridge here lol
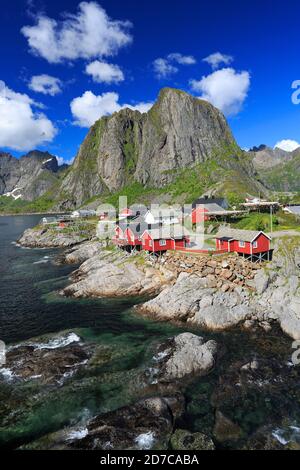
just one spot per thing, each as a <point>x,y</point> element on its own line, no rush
<point>279,170</point>
<point>29,176</point>
<point>267,157</point>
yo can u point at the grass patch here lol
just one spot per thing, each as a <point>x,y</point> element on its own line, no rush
<point>262,221</point>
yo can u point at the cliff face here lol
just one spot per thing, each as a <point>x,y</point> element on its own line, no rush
<point>28,177</point>
<point>178,132</point>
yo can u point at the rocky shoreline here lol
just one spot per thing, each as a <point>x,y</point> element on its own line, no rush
<point>232,292</point>
<point>210,292</point>
<point>42,237</point>
<point>200,293</point>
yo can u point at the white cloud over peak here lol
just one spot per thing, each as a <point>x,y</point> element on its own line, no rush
<point>88,108</point>
<point>102,72</point>
<point>217,58</point>
<point>288,145</point>
<point>21,128</point>
<point>226,89</point>
<point>165,67</point>
<point>89,33</point>
<point>45,84</point>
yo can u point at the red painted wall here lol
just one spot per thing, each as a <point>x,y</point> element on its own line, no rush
<point>198,215</point>
<point>132,240</point>
<point>225,245</point>
<point>263,245</point>
<point>157,246</point>
<point>180,243</point>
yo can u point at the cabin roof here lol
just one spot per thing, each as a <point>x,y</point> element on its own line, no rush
<point>209,200</point>
<point>164,212</point>
<point>137,226</point>
<point>211,207</point>
<point>243,235</point>
<point>168,232</point>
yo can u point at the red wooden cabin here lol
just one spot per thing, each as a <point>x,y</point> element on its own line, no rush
<point>133,239</point>
<point>164,238</point>
<point>204,212</point>
<point>128,235</point>
<point>246,242</point>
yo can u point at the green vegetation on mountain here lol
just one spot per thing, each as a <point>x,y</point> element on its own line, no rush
<point>285,176</point>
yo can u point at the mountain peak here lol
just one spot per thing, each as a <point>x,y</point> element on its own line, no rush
<point>178,132</point>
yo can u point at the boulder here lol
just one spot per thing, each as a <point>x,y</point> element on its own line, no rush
<point>114,274</point>
<point>81,253</point>
<point>146,424</point>
<point>185,355</point>
<point>261,281</point>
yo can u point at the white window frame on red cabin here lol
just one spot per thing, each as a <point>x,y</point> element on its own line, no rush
<point>242,244</point>
<point>150,242</point>
<point>162,242</point>
<point>255,244</point>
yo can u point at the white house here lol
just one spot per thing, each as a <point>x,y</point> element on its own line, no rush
<point>165,216</point>
<point>82,213</point>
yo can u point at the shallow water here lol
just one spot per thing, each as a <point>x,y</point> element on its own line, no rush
<point>31,307</point>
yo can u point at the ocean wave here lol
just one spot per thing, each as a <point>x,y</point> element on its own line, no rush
<point>77,434</point>
<point>145,440</point>
<point>45,259</point>
<point>7,374</point>
<point>287,435</point>
<point>54,343</point>
<point>60,342</point>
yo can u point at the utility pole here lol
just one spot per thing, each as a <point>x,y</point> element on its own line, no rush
<point>271,218</point>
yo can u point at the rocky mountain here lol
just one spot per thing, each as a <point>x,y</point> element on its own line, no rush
<point>28,177</point>
<point>180,149</point>
<point>279,170</point>
<point>179,133</point>
<point>265,157</point>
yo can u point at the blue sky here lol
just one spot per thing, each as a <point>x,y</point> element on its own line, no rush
<point>92,58</point>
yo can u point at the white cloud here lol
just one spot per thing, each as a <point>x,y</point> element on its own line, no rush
<point>102,72</point>
<point>45,84</point>
<point>62,161</point>
<point>288,145</point>
<point>89,33</point>
<point>182,59</point>
<point>164,67</point>
<point>88,108</point>
<point>226,89</point>
<point>21,128</point>
<point>217,59</point>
